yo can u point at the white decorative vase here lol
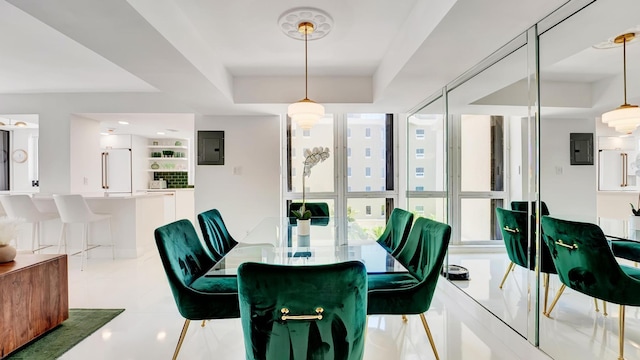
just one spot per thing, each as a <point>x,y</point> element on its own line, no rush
<point>7,253</point>
<point>634,227</point>
<point>304,227</point>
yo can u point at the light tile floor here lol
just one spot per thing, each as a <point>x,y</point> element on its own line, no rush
<point>150,326</point>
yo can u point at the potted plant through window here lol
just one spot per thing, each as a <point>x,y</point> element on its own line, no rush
<point>311,158</point>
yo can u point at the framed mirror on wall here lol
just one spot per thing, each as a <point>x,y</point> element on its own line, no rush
<point>582,76</point>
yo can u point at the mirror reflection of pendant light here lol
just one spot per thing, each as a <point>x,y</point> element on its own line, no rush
<point>305,112</point>
<point>625,118</point>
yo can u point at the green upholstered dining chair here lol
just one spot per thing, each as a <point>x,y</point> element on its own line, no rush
<point>303,312</point>
<point>396,231</point>
<point>514,225</point>
<point>524,206</point>
<point>215,233</point>
<point>586,264</point>
<point>412,292</point>
<point>186,263</point>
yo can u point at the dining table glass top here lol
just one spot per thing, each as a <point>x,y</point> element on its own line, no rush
<point>275,241</point>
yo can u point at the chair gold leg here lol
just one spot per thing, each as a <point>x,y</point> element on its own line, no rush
<point>595,301</point>
<point>181,339</point>
<point>545,283</point>
<point>555,300</point>
<point>426,328</point>
<point>621,333</point>
<point>404,318</point>
<point>604,308</point>
<point>204,322</point>
<point>511,265</point>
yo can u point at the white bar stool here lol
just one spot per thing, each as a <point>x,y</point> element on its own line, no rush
<point>74,209</point>
<point>22,207</point>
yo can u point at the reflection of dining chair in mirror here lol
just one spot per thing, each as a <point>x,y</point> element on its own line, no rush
<point>22,207</point>
<point>215,233</point>
<point>524,206</point>
<point>396,231</point>
<point>411,293</point>
<point>186,263</point>
<point>303,312</point>
<point>514,225</point>
<point>586,264</point>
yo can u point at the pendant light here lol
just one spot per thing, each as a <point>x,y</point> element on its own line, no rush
<point>625,118</point>
<point>305,112</point>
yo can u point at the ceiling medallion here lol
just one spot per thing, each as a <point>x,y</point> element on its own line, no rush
<point>290,20</point>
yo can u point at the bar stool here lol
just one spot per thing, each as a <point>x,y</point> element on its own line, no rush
<point>74,209</point>
<point>22,207</point>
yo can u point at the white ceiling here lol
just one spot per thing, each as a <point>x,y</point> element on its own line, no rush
<point>231,58</point>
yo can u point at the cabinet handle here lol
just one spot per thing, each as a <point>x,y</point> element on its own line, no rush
<point>626,164</point>
<point>624,167</point>
<point>103,170</point>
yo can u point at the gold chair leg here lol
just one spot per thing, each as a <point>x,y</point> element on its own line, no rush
<point>426,328</point>
<point>621,333</point>
<point>511,265</point>
<point>404,318</point>
<point>181,339</point>
<point>604,308</point>
<point>204,322</point>
<point>555,300</point>
<point>595,301</point>
<point>545,283</point>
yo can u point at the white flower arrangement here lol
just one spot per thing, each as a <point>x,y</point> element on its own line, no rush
<point>311,158</point>
<point>8,230</point>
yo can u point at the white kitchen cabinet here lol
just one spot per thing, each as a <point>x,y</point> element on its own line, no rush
<point>618,170</point>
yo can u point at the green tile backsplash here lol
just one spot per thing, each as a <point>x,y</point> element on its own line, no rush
<point>175,180</point>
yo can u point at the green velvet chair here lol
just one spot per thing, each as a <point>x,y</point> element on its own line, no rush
<point>513,225</point>
<point>215,233</point>
<point>524,206</point>
<point>396,232</point>
<point>586,264</point>
<point>303,312</point>
<point>186,263</point>
<point>411,293</point>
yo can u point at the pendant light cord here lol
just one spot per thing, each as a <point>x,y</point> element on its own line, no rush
<point>306,76</point>
<point>624,66</point>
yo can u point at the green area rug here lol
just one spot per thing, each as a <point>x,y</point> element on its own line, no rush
<point>80,324</point>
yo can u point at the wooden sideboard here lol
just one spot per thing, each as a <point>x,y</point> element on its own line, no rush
<point>34,298</point>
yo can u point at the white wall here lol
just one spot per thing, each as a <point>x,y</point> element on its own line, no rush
<point>139,154</point>
<point>568,190</point>
<point>85,171</point>
<point>246,188</point>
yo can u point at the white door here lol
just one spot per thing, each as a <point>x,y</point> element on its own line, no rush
<point>116,170</point>
<point>617,170</point>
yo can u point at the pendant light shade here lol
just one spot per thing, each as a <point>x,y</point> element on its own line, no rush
<point>305,112</point>
<point>626,117</point>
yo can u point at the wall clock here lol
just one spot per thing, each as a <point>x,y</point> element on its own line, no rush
<point>19,156</point>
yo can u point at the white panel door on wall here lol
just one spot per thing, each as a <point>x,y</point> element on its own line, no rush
<point>618,170</point>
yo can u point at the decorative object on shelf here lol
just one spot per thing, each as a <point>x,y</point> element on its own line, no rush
<point>155,166</point>
<point>626,117</point>
<point>311,159</point>
<point>8,232</point>
<point>178,143</point>
<point>305,112</point>
<point>167,153</point>
<point>156,154</point>
<point>155,143</point>
<point>19,155</point>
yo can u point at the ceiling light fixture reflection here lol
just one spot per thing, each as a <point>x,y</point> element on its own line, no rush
<point>20,123</point>
<point>626,117</point>
<point>122,122</point>
<point>160,133</point>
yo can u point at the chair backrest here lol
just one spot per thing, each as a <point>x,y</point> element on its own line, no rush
<point>318,209</point>
<point>72,208</point>
<point>524,206</point>
<point>215,233</point>
<point>184,260</point>
<point>423,255</point>
<point>340,290</point>
<point>396,231</point>
<point>513,225</point>
<point>585,262</point>
<point>21,207</point>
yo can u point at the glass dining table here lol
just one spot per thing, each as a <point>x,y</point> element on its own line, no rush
<point>276,241</point>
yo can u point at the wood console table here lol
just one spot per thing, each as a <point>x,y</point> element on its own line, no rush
<point>34,298</point>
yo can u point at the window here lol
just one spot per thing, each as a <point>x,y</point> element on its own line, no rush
<point>382,188</point>
<point>419,188</point>
<point>383,154</point>
<point>293,152</point>
<point>367,152</point>
<point>367,172</point>
<point>420,153</point>
<point>382,175</point>
<point>420,210</point>
<point>349,152</point>
<point>382,210</point>
<point>348,132</point>
<point>367,133</point>
<point>349,188</point>
<point>419,134</point>
<point>349,171</point>
<point>367,188</point>
<point>306,133</point>
<point>368,210</point>
<point>294,171</point>
<point>362,124</point>
<point>419,172</point>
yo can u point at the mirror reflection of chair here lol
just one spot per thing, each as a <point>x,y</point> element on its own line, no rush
<point>215,233</point>
<point>22,207</point>
<point>524,206</point>
<point>73,209</point>
<point>186,263</point>
<point>306,312</point>
<point>396,231</point>
<point>586,264</point>
<point>410,294</point>
<point>514,225</point>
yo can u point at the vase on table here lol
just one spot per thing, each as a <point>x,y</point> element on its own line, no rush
<point>304,227</point>
<point>7,253</point>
